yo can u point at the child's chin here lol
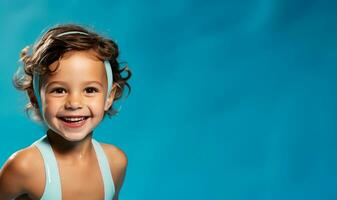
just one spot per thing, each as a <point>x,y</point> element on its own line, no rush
<point>74,137</point>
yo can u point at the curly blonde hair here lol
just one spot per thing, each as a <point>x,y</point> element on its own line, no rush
<point>52,45</point>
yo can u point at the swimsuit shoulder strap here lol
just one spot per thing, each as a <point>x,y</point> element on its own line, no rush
<point>109,187</point>
<point>52,188</point>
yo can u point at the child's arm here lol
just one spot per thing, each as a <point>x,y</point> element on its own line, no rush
<point>120,174</point>
<point>118,163</point>
<point>22,174</point>
<point>13,176</point>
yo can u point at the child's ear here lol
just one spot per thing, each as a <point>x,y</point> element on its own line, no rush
<point>32,97</point>
<point>111,97</point>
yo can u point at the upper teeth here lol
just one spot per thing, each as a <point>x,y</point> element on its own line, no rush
<point>74,118</point>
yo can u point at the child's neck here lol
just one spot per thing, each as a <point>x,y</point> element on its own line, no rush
<point>65,149</point>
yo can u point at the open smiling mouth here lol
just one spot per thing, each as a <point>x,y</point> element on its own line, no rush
<point>74,122</point>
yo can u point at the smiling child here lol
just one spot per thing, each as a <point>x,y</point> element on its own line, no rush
<point>72,78</point>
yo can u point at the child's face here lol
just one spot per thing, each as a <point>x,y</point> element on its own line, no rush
<point>73,98</point>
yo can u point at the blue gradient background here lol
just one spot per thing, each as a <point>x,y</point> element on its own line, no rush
<point>230,99</point>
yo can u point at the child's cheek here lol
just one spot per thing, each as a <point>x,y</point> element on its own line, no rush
<point>97,107</point>
<point>52,102</point>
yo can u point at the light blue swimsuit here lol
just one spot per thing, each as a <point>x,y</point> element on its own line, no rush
<point>52,190</point>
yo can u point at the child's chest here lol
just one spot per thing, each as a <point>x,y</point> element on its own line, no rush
<point>81,181</point>
<point>78,181</point>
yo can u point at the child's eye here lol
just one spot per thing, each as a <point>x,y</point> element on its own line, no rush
<point>58,90</point>
<point>91,90</point>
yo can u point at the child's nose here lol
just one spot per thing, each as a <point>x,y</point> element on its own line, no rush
<point>74,101</point>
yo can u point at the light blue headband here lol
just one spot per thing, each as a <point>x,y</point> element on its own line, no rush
<point>36,76</point>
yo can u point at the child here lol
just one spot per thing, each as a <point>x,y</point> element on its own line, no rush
<point>72,78</point>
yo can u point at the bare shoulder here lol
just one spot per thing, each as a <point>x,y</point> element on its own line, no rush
<point>117,157</point>
<point>20,170</point>
<point>118,163</point>
<point>23,163</point>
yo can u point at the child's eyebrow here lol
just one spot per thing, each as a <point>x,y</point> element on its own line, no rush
<point>65,83</point>
<point>95,82</point>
